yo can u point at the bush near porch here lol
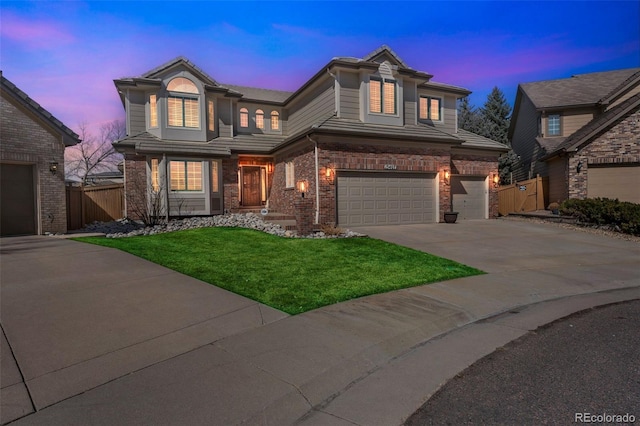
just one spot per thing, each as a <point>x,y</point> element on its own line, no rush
<point>292,275</point>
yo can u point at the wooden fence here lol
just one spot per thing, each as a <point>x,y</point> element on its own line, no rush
<point>526,196</point>
<point>90,203</point>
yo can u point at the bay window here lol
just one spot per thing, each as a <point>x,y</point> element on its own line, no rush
<point>183,103</point>
<point>186,175</point>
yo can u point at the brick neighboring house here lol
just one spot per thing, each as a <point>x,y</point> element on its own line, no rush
<point>32,143</point>
<point>583,133</point>
<point>374,141</point>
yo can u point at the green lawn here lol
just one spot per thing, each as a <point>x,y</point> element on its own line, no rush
<point>293,275</point>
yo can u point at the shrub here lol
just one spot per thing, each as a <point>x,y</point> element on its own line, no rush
<point>621,215</point>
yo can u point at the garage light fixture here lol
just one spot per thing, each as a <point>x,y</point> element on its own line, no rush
<point>579,167</point>
<point>302,186</point>
<point>329,173</point>
<point>496,180</point>
<point>446,176</point>
<point>53,167</point>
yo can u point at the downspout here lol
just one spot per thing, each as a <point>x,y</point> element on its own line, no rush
<point>166,186</point>
<point>315,149</point>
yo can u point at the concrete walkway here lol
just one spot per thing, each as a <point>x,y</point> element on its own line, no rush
<point>368,361</point>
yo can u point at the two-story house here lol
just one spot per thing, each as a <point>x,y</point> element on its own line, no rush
<point>372,140</point>
<point>582,132</point>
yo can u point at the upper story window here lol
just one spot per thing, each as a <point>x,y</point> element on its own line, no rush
<point>430,108</point>
<point>244,117</point>
<point>553,125</point>
<point>211,115</point>
<point>153,111</point>
<point>182,103</point>
<point>275,120</point>
<point>259,119</point>
<point>382,96</point>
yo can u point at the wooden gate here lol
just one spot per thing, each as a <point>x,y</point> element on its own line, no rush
<point>90,203</point>
<point>526,196</point>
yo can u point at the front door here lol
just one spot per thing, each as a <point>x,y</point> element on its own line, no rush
<point>251,186</point>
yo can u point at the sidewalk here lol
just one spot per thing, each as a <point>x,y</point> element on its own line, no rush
<point>374,360</point>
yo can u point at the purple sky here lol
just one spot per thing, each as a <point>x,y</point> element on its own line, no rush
<point>65,55</point>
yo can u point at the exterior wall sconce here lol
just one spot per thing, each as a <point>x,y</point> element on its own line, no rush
<point>302,186</point>
<point>446,176</point>
<point>270,168</point>
<point>496,180</point>
<point>579,167</point>
<point>329,174</point>
<point>53,167</point>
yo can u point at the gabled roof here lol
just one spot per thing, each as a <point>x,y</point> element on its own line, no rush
<point>578,90</point>
<point>383,51</point>
<point>69,137</point>
<point>596,127</point>
<point>180,60</point>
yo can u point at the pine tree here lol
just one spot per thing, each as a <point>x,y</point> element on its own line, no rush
<point>468,116</point>
<point>495,116</point>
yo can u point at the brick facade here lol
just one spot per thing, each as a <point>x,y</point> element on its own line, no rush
<point>617,145</point>
<point>29,141</point>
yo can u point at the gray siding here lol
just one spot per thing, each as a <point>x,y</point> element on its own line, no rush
<point>349,96</point>
<point>449,114</point>
<point>187,204</point>
<point>410,104</point>
<point>314,106</point>
<point>524,137</point>
<point>225,119</point>
<point>137,112</point>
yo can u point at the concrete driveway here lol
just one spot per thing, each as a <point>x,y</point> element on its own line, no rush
<point>367,361</point>
<point>76,316</point>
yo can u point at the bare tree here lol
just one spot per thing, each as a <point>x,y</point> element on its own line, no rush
<point>145,202</point>
<point>94,154</point>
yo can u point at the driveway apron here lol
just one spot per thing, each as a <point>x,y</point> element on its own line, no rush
<point>75,316</point>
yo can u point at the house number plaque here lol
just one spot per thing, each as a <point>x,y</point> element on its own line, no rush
<point>390,167</point>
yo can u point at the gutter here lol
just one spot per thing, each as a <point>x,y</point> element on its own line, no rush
<point>315,149</point>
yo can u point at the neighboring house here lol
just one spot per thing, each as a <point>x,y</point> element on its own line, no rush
<point>583,133</point>
<point>374,141</point>
<point>32,143</point>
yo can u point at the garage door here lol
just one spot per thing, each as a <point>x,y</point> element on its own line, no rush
<point>622,182</point>
<point>469,196</point>
<point>18,212</point>
<point>385,198</point>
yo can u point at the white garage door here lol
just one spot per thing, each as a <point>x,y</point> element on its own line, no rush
<point>385,198</point>
<point>622,182</point>
<point>469,196</point>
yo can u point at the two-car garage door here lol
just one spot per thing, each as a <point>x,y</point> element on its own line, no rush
<point>380,198</point>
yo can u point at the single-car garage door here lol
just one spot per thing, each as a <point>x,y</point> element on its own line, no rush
<point>469,196</point>
<point>17,200</point>
<point>377,198</point>
<point>621,182</point>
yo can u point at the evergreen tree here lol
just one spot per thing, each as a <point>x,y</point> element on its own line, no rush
<point>495,116</point>
<point>468,116</point>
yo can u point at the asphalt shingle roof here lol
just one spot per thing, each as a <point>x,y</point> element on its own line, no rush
<point>581,89</point>
<point>258,94</point>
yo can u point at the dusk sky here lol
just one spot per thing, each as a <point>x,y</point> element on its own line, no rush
<point>65,55</point>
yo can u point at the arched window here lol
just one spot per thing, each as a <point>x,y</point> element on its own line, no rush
<point>275,120</point>
<point>244,117</point>
<point>182,103</point>
<point>259,119</point>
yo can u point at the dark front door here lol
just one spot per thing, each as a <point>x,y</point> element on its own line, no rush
<point>251,186</point>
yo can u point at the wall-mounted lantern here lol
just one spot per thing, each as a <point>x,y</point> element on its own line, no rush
<point>579,166</point>
<point>53,167</point>
<point>270,168</point>
<point>446,176</point>
<point>302,186</point>
<point>496,180</point>
<point>329,173</point>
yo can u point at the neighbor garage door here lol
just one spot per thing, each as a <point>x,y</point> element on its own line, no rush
<point>622,182</point>
<point>469,196</point>
<point>18,211</point>
<point>385,198</point>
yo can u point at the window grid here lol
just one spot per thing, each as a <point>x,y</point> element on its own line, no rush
<point>244,117</point>
<point>289,174</point>
<point>186,175</point>
<point>382,96</point>
<point>275,120</point>
<point>153,111</point>
<point>554,125</point>
<point>183,112</point>
<point>430,108</point>
<point>259,119</point>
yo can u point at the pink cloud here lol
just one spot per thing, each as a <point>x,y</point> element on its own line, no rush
<point>35,34</point>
